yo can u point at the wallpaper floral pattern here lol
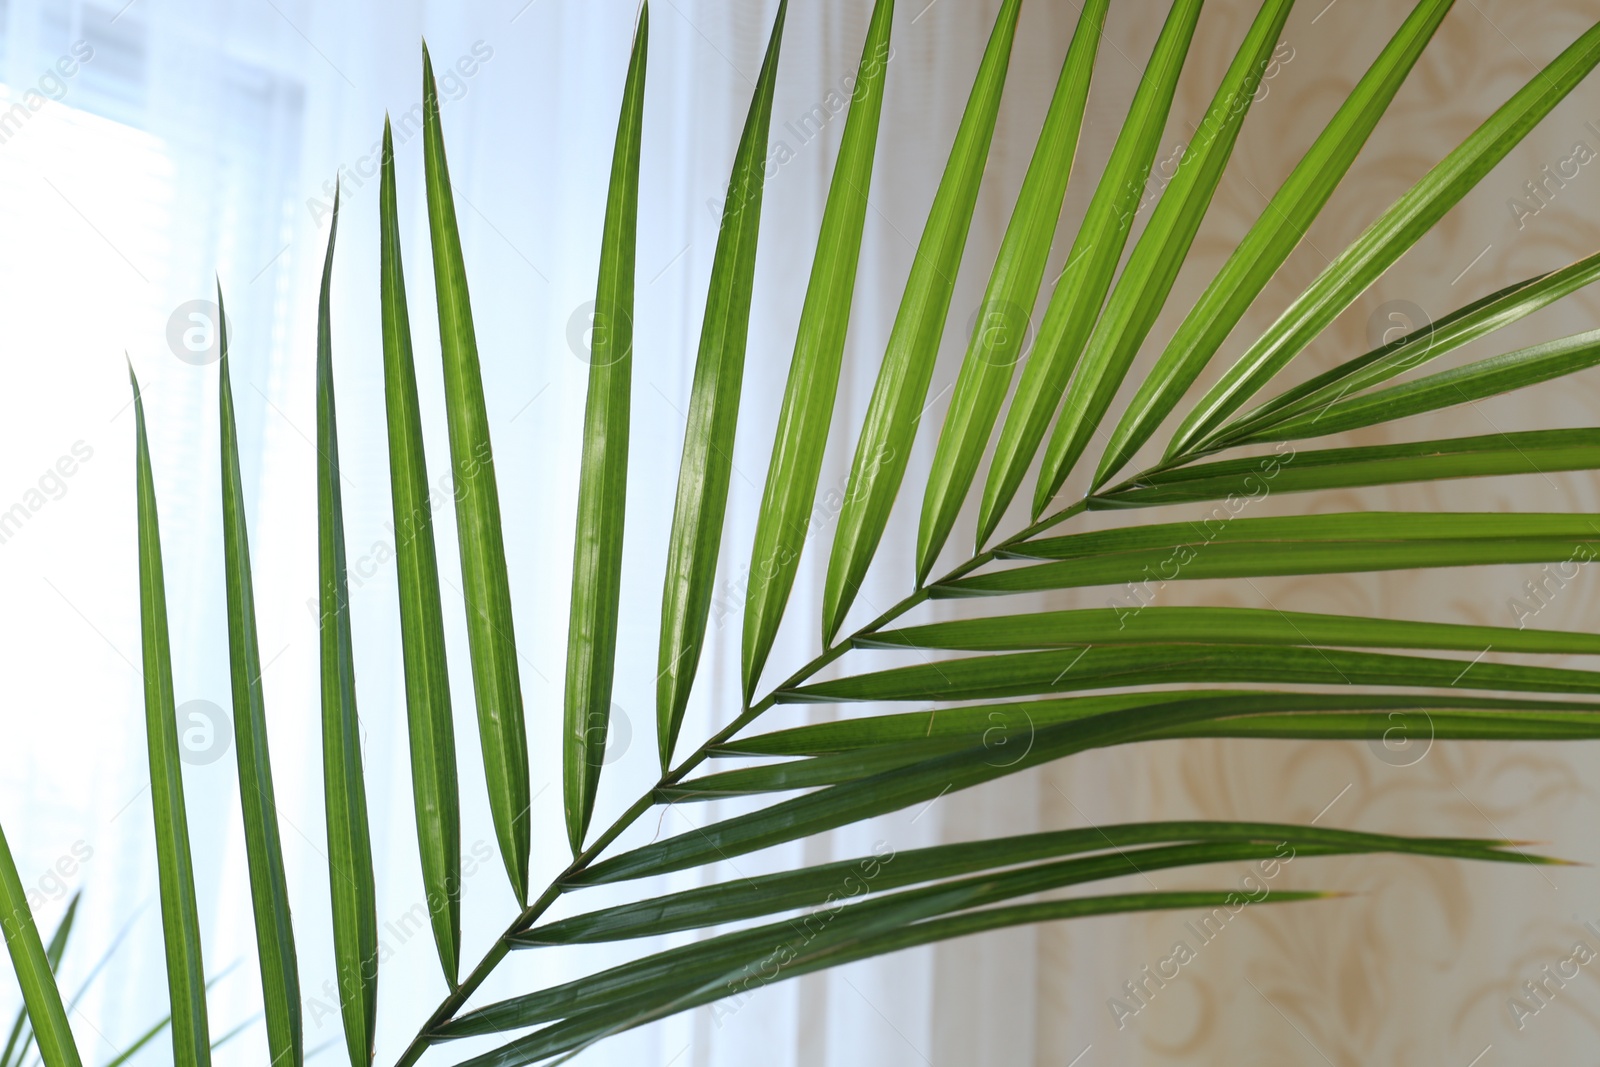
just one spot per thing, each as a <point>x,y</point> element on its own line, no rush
<point>1425,962</point>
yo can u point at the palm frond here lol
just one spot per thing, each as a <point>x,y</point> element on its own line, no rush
<point>707,463</point>
<point>1002,323</point>
<point>995,695</point>
<point>603,479</point>
<point>1276,232</point>
<point>35,965</point>
<point>1081,289</point>
<point>269,884</point>
<point>808,399</point>
<point>180,917</point>
<point>429,722</point>
<point>355,908</point>
<point>883,448</point>
<point>496,679</point>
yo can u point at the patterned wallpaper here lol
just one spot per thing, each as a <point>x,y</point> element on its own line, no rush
<point>1425,961</point>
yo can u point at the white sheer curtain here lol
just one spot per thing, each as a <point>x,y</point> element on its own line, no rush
<point>198,139</point>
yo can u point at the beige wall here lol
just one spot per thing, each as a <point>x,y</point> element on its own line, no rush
<point>1418,965</point>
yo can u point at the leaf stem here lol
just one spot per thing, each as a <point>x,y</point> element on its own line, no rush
<point>470,984</point>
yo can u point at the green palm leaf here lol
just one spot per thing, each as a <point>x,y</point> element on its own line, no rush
<point>603,479</point>
<point>884,446</point>
<point>35,968</point>
<point>1153,267</point>
<point>1223,547</point>
<point>1275,234</point>
<point>53,953</point>
<point>430,725</point>
<point>428,713</point>
<point>783,524</point>
<point>485,586</point>
<point>1107,666</point>
<point>269,884</point>
<point>1086,279</point>
<point>1389,236</point>
<point>829,883</point>
<point>891,790</point>
<point>1002,325</point>
<point>1459,385</point>
<point>355,916</point>
<point>844,944</point>
<point>1202,626</point>
<point>707,463</point>
<point>1013,723</point>
<point>180,918</point>
<point>1529,452</point>
<point>1421,345</point>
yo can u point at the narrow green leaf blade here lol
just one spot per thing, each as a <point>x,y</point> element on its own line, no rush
<point>987,886</point>
<point>269,883</point>
<point>430,726</point>
<point>1389,237</point>
<point>1226,547</point>
<point>784,523</point>
<point>707,462</point>
<point>1333,527</point>
<point>1015,723</point>
<point>1081,289</point>
<point>1153,267</point>
<point>1109,666</point>
<point>1459,385</point>
<point>1274,235</point>
<point>355,913</point>
<point>902,787</point>
<point>35,967</point>
<point>496,682</point>
<point>894,411</point>
<point>180,917</point>
<point>1003,317</point>
<point>1245,560</point>
<point>1529,452</point>
<point>832,934</point>
<point>886,868</point>
<point>891,933</point>
<point>1399,729</point>
<point>1428,342</point>
<point>603,476</point>
<point>53,953</point>
<point>714,975</point>
<point>1206,625</point>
